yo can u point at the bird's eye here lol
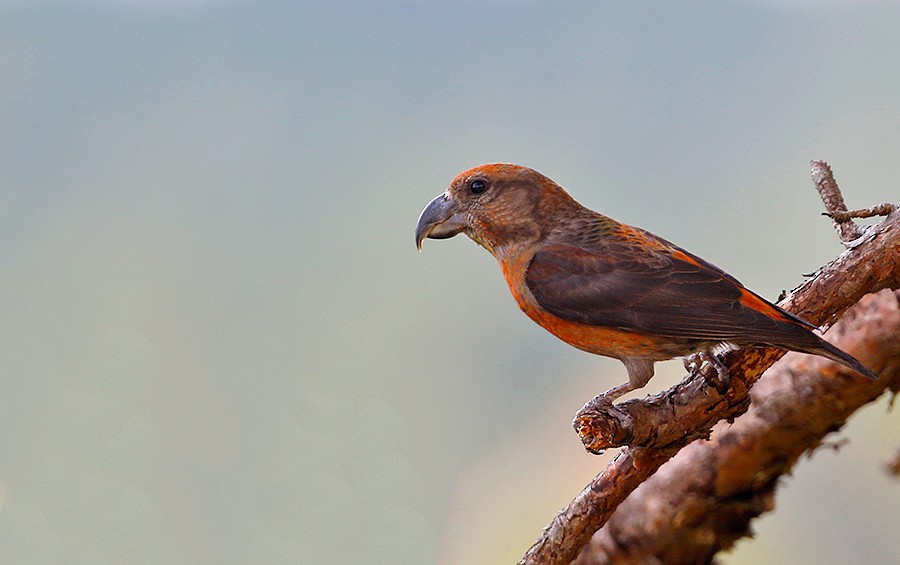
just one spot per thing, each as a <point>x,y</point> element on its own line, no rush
<point>477,186</point>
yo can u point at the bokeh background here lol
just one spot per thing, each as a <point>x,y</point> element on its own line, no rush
<point>219,344</point>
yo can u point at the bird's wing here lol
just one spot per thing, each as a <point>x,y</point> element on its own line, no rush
<point>675,294</point>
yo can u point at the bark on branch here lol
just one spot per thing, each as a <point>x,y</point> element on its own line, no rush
<point>654,429</point>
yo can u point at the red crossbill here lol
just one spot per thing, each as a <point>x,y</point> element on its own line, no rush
<point>606,287</point>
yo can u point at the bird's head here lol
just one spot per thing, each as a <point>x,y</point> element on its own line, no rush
<point>496,205</point>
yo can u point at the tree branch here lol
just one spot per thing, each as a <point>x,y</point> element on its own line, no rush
<point>656,428</point>
<point>702,501</point>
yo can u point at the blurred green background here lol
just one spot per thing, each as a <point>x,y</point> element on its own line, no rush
<point>219,344</point>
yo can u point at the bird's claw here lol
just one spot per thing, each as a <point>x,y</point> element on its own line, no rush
<point>601,424</point>
<point>720,380</point>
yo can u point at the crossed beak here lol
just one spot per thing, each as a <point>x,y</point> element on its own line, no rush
<point>439,220</point>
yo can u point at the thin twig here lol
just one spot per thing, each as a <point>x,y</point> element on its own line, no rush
<point>834,202</point>
<point>878,210</point>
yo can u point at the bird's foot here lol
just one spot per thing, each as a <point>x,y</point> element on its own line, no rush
<point>720,380</point>
<point>601,424</point>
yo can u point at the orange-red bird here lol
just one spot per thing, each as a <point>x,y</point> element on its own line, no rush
<point>606,287</point>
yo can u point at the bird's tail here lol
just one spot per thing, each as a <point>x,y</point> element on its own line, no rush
<point>825,349</point>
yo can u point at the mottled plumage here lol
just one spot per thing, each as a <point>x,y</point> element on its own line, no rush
<point>607,287</point>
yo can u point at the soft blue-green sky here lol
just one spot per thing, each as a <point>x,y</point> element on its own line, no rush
<point>219,344</point>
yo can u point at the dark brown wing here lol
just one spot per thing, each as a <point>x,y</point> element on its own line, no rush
<point>623,286</point>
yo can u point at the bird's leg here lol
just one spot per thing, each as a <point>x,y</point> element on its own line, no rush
<point>605,400</point>
<point>615,392</point>
<point>694,362</point>
<point>639,373</point>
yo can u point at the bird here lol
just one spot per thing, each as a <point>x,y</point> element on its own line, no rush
<point>606,287</point>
